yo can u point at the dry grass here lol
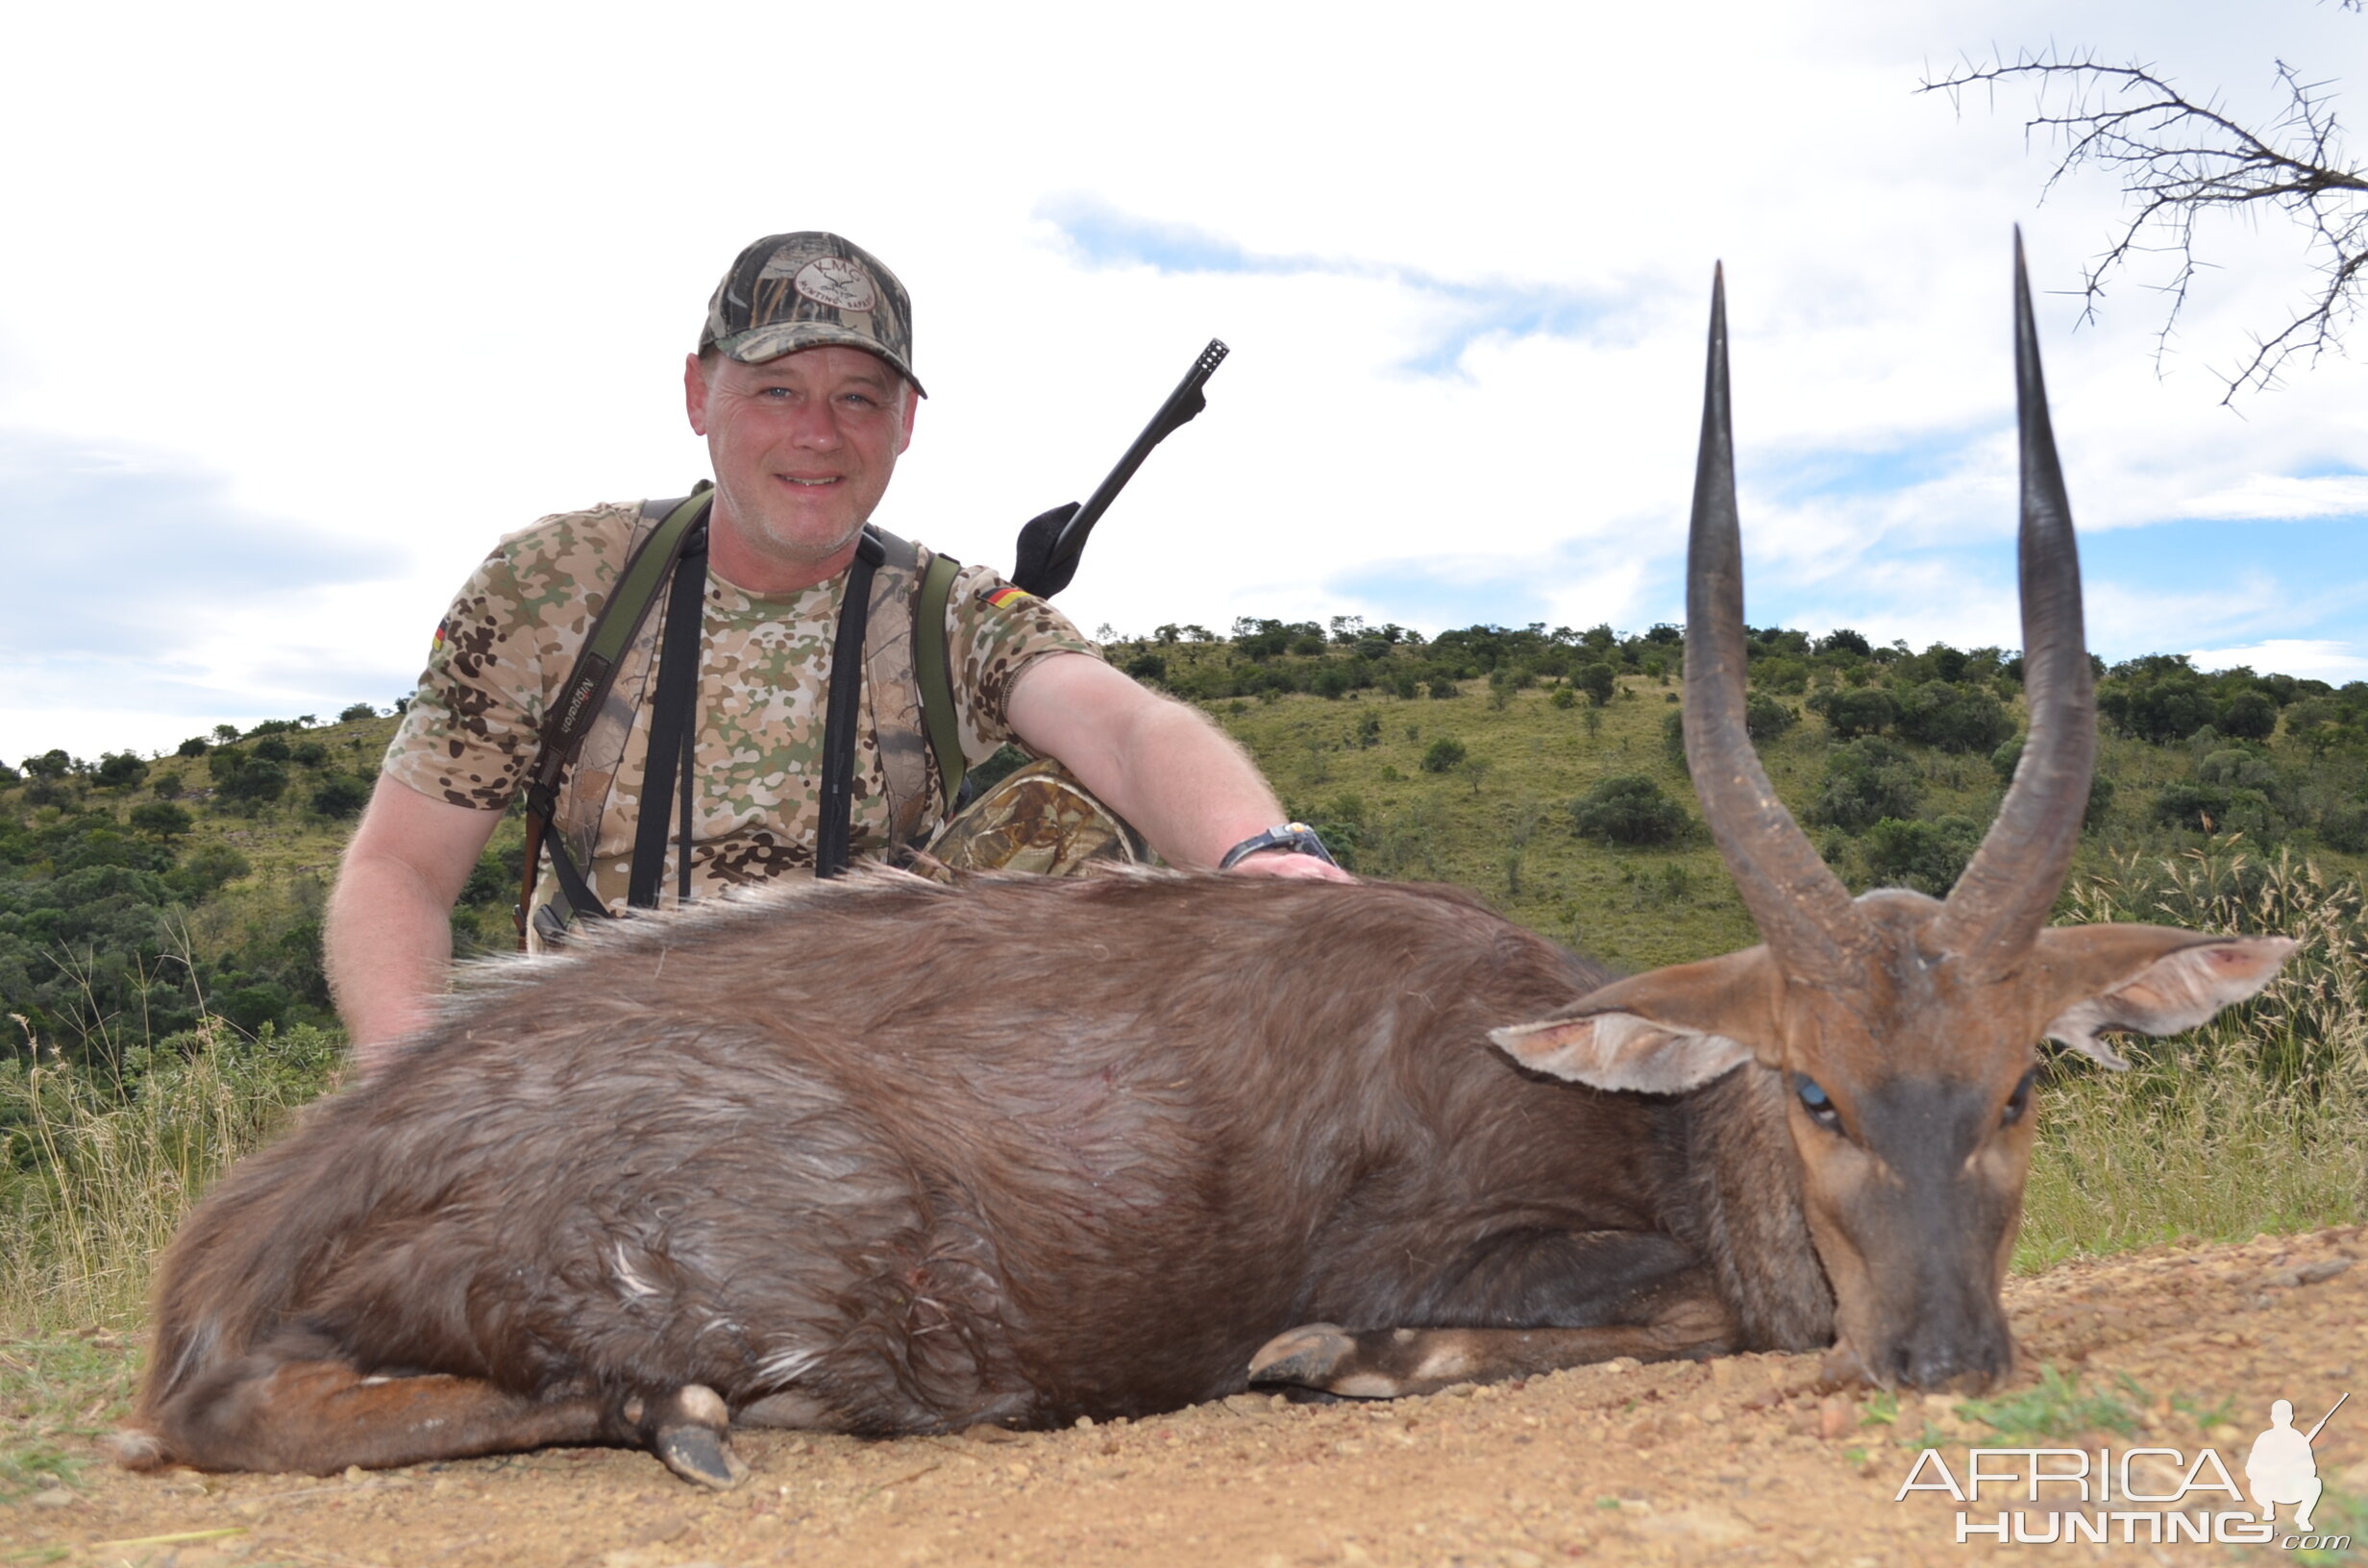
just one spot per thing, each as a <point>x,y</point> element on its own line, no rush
<point>97,1174</point>
<point>2257,1121</point>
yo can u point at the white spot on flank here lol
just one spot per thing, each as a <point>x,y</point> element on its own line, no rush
<point>634,1284</point>
<point>787,1366</point>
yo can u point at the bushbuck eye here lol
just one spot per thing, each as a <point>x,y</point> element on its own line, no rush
<point>2019,1101</point>
<point>1814,1101</point>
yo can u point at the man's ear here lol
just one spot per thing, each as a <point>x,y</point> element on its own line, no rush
<point>2151,978</point>
<point>695,393</point>
<point>1658,1033</point>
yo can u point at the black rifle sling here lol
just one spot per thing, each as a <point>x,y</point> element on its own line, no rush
<point>587,687</point>
<point>836,830</point>
<point>673,735</point>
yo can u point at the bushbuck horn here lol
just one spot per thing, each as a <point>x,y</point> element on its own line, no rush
<point>1802,911</point>
<point>2002,901</point>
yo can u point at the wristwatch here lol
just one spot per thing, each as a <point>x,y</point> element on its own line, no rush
<point>1297,837</point>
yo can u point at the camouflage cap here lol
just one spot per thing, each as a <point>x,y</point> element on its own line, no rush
<point>788,292</point>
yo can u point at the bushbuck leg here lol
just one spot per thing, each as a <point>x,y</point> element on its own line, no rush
<point>324,1415</point>
<point>1648,1297</point>
<point>1388,1363</point>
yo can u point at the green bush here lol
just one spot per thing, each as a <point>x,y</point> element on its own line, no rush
<point>203,872</point>
<point>1865,781</point>
<point>1954,718</point>
<point>120,771</point>
<point>1629,808</point>
<point>2159,698</point>
<point>162,819</point>
<point>1765,718</point>
<point>357,712</point>
<point>194,746</point>
<point>1926,857</point>
<point>340,795</point>
<point>1444,755</point>
<point>1597,680</point>
<point>2218,808</point>
<point>1860,710</point>
<point>2248,716</point>
<point>259,780</point>
<point>2239,767</point>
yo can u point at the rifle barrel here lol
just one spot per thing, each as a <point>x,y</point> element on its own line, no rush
<point>1184,402</point>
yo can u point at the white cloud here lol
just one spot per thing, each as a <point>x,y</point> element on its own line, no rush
<point>2328,661</point>
<point>405,280</point>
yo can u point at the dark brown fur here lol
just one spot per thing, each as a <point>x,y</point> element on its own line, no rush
<point>905,1159</point>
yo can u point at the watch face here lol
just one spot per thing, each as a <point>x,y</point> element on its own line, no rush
<point>836,283</point>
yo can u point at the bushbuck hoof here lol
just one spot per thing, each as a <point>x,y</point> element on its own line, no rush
<point>701,1456</point>
<point>687,1430</point>
<point>1308,1356</point>
<point>135,1448</point>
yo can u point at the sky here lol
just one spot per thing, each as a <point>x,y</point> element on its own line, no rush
<point>305,306</point>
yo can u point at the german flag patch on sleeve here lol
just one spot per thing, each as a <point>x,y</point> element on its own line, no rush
<point>1005,596</point>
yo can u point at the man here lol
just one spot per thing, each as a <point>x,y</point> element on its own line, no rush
<point>802,386</point>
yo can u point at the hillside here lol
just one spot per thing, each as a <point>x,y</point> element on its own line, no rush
<point>1538,769</point>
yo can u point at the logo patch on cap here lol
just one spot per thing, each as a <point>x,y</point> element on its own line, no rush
<point>836,283</point>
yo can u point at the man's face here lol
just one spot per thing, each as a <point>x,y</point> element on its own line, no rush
<point>803,447</point>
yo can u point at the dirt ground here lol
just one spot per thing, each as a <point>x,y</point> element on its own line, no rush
<point>1745,1460</point>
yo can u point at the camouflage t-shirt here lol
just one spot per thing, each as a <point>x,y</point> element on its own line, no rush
<point>511,638</point>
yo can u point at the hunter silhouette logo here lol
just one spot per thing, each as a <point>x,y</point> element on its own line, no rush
<point>2142,1495</point>
<point>2283,1469</point>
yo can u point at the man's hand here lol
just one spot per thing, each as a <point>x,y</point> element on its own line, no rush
<point>1290,866</point>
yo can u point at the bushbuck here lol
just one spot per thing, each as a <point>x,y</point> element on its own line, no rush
<point>886,1157</point>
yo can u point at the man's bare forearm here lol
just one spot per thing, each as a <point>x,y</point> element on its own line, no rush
<point>387,938</point>
<point>1165,767</point>
<point>1186,786</point>
<point>388,945</point>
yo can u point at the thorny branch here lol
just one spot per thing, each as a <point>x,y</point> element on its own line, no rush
<point>2179,161</point>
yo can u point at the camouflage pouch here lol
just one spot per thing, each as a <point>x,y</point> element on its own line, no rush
<point>1040,819</point>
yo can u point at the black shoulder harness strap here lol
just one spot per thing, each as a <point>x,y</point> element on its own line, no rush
<point>679,538</point>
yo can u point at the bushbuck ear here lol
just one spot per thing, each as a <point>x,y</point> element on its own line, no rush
<point>2150,978</point>
<point>1660,1033</point>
